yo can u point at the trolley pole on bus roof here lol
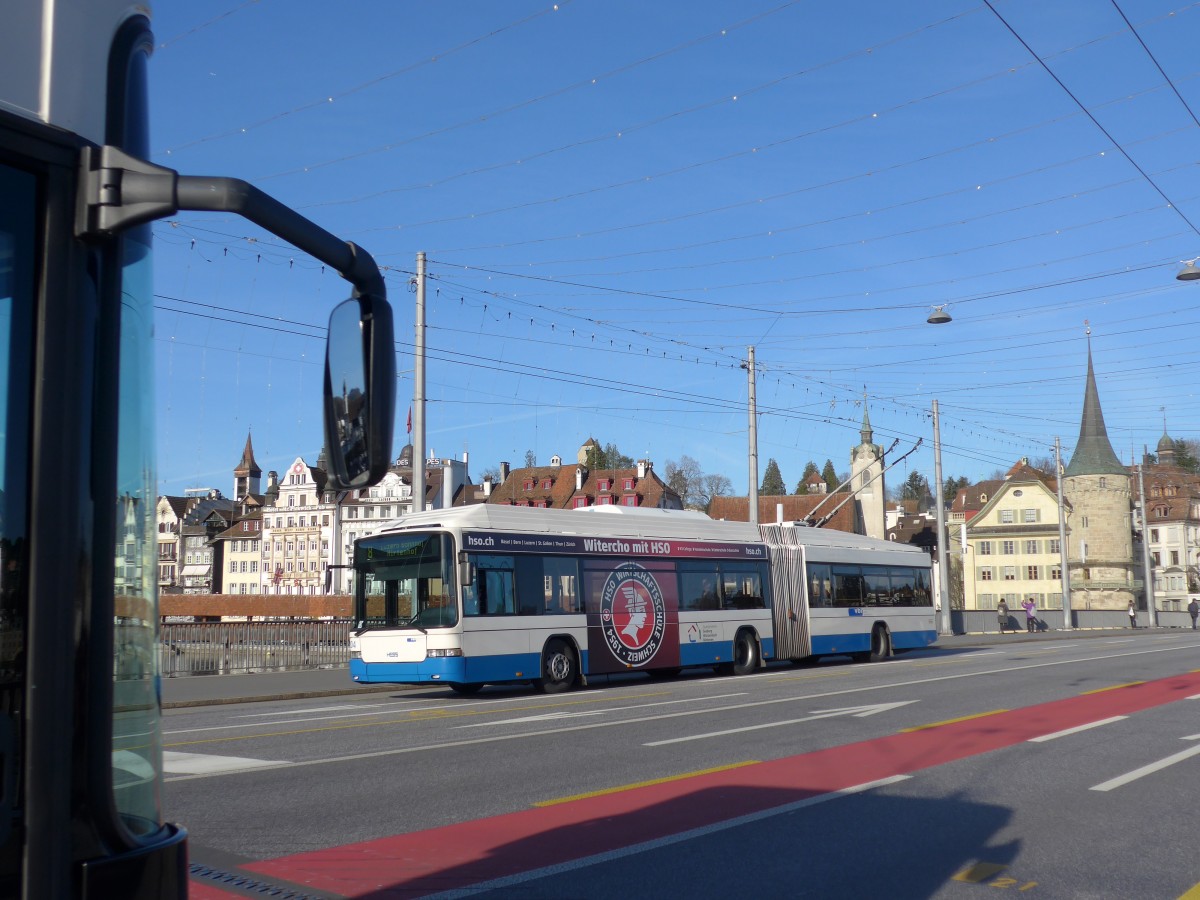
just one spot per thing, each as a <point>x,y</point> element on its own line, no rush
<point>752,496</point>
<point>943,595</point>
<point>418,419</point>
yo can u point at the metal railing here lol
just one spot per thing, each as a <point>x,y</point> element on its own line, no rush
<point>197,648</point>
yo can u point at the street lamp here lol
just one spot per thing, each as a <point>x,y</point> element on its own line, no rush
<point>1189,272</point>
<point>939,316</point>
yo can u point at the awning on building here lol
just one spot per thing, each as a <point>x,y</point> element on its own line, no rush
<point>196,571</point>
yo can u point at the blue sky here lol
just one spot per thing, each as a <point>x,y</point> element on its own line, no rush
<point>617,199</point>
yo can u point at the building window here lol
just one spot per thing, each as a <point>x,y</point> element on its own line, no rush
<point>1156,559</point>
<point>528,484</point>
<point>1053,546</point>
<point>1008,548</point>
<point>303,500</point>
<point>325,520</point>
<point>1056,573</point>
<point>1031,573</point>
<point>254,565</point>
<point>1154,535</point>
<point>604,485</point>
<point>604,500</point>
<point>232,566</point>
<point>631,500</point>
<point>291,499</point>
<point>985,573</point>
<point>985,548</point>
<point>1007,517</point>
<point>547,484</point>
<point>1174,557</point>
<point>1103,482</point>
<point>580,502</point>
<point>1030,515</point>
<point>1085,521</point>
<point>1161,512</point>
<point>1010,573</point>
<point>1031,546</point>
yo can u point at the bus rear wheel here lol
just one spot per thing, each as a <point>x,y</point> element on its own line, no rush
<point>465,689</point>
<point>881,643</point>
<point>559,668</point>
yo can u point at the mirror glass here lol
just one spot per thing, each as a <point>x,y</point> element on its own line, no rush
<point>346,400</point>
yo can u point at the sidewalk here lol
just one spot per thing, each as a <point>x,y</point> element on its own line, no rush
<point>208,690</point>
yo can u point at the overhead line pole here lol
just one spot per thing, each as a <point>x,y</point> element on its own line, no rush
<point>418,435</point>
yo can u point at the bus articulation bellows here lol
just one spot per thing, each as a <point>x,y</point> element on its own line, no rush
<point>495,594</point>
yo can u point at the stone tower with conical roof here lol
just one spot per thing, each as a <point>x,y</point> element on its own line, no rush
<point>1099,539</point>
<point>866,480</point>
<point>247,475</point>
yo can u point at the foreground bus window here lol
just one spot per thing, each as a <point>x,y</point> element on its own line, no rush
<point>405,581</point>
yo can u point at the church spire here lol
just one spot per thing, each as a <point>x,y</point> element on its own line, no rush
<point>868,436</point>
<point>247,474</point>
<point>1093,451</point>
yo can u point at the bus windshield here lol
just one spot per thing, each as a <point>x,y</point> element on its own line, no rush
<point>405,581</point>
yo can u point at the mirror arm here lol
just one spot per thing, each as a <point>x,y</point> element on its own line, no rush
<point>120,191</point>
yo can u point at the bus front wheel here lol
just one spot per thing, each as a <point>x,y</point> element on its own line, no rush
<point>459,688</point>
<point>745,655</point>
<point>559,668</point>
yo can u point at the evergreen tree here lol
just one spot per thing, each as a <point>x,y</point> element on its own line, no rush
<point>915,487</point>
<point>1185,456</point>
<point>810,469</point>
<point>829,473</point>
<point>772,484</point>
<point>530,459</point>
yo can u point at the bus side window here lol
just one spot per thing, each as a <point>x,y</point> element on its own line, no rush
<point>742,585</point>
<point>530,584</point>
<point>560,586</point>
<point>820,586</point>
<point>699,586</point>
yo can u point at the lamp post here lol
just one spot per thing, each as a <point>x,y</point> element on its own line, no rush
<point>1149,572</point>
<point>939,498</point>
<point>752,496</point>
<point>1063,565</point>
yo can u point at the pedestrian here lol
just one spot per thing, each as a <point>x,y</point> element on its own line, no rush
<point>1030,608</point>
<point>1132,615</point>
<point>1002,615</point>
<point>1194,611</point>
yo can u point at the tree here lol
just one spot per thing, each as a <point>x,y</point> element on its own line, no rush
<point>829,473</point>
<point>810,469</point>
<point>1186,453</point>
<point>493,471</point>
<point>712,486</point>
<point>608,457</point>
<point>772,483</point>
<point>951,486</point>
<point>915,487</point>
<point>684,478</point>
<point>530,459</point>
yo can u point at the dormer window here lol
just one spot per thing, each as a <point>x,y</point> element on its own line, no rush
<point>547,484</point>
<point>629,484</point>
<point>983,498</point>
<point>604,484</point>
<point>528,484</point>
<point>580,502</point>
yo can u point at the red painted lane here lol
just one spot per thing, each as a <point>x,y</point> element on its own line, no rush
<point>455,856</point>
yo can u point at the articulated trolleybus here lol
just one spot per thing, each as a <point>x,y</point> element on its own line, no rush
<point>492,594</point>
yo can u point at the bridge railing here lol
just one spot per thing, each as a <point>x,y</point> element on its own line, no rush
<point>199,648</point>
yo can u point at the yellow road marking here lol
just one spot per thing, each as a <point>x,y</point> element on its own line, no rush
<point>641,784</point>
<point>414,715</point>
<point>979,872</point>
<point>1114,687</point>
<point>994,712</point>
<point>1192,894</point>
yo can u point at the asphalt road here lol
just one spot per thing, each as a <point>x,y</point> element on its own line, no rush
<point>1053,767</point>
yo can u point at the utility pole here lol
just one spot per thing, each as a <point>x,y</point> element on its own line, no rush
<point>418,434</point>
<point>753,495</point>
<point>1063,563</point>
<point>939,498</point>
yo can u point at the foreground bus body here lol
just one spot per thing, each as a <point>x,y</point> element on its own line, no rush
<point>496,594</point>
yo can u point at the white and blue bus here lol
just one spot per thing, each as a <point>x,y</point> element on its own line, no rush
<point>492,594</point>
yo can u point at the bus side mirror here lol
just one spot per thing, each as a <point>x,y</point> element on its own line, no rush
<point>466,571</point>
<point>360,392</point>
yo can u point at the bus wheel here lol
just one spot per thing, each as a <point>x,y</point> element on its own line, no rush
<point>745,653</point>
<point>881,643</point>
<point>465,689</point>
<point>672,672</point>
<point>559,669</point>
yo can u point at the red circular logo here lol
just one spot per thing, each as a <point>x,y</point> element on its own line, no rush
<point>633,615</point>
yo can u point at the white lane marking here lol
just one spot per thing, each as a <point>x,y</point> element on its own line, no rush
<point>857,711</point>
<point>1122,641</point>
<point>1125,779</point>
<point>574,714</point>
<point>1193,697</point>
<point>297,712</point>
<point>1076,729</point>
<point>691,834</point>
<point>435,746</point>
<point>175,762</point>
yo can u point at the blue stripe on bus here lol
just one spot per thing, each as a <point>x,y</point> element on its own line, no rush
<point>831,644</point>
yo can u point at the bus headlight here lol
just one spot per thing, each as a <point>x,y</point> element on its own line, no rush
<point>355,649</point>
<point>441,654</point>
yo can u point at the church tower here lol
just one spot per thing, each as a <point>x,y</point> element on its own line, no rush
<point>247,475</point>
<point>866,480</point>
<point>1099,533</point>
